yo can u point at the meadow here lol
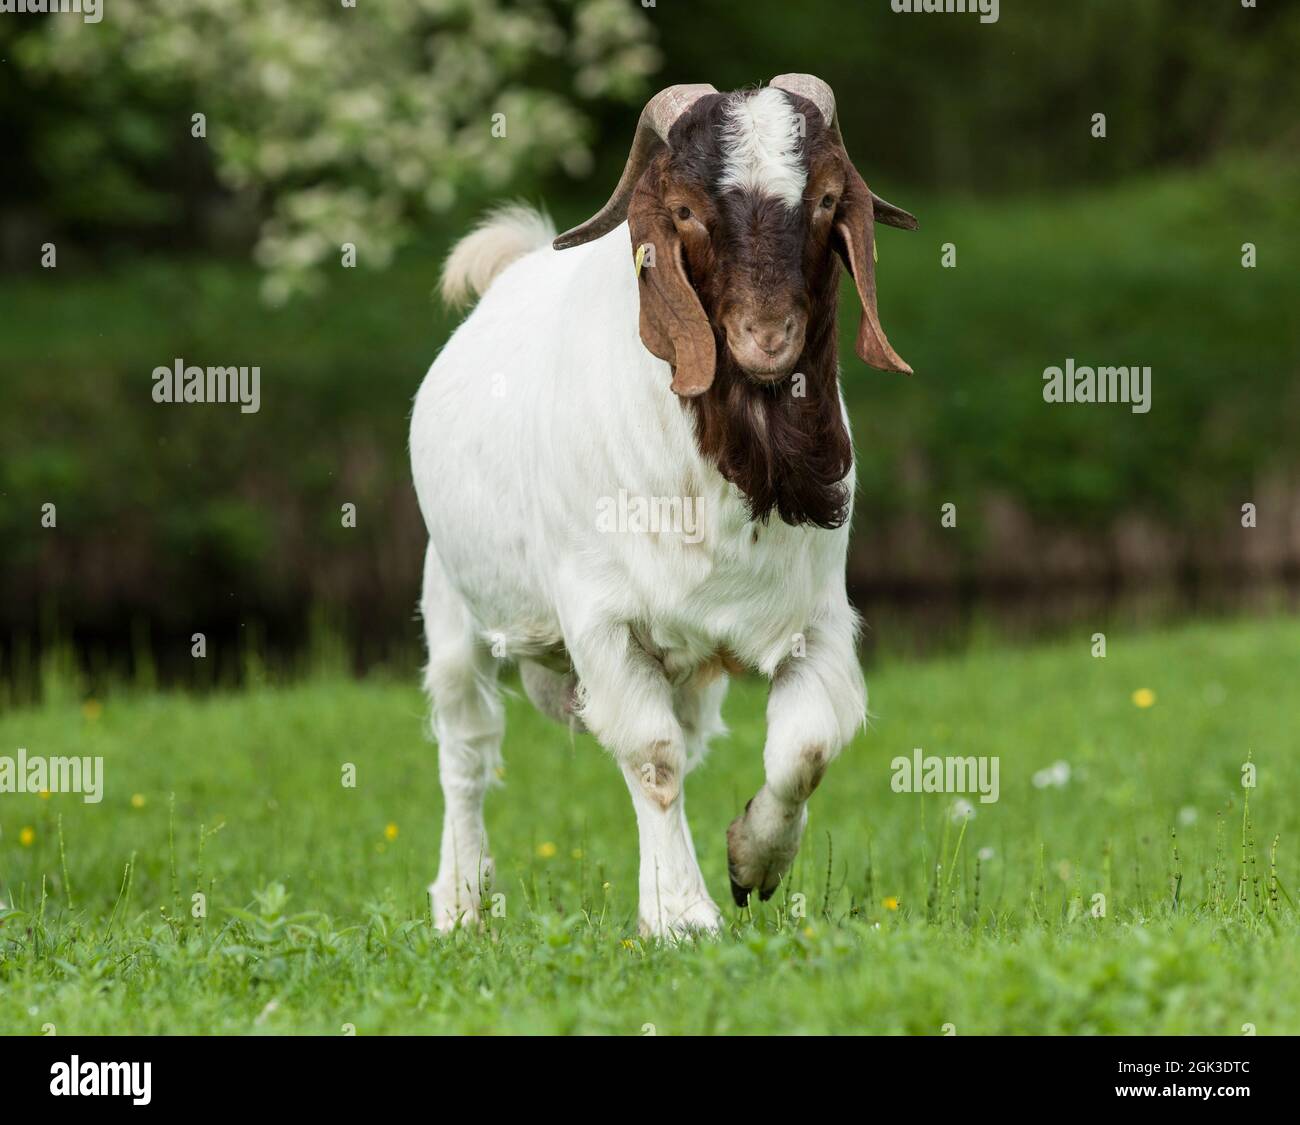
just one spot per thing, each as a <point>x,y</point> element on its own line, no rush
<point>1120,777</point>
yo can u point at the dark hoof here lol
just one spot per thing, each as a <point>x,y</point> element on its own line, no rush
<point>739,894</point>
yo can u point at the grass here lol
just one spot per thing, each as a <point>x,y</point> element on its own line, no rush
<point>896,918</point>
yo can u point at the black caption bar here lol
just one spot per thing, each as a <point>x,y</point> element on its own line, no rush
<point>339,1073</point>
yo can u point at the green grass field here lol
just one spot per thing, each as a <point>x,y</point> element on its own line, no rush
<point>895,919</point>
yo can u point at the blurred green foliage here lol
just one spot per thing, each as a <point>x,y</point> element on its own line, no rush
<point>191,514</point>
<point>377,118</point>
<point>372,125</point>
<point>332,124</point>
<point>944,101</point>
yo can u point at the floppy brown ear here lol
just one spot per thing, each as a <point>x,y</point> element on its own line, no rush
<point>673,324</point>
<point>855,230</point>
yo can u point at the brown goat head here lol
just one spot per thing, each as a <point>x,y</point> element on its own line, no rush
<point>739,207</point>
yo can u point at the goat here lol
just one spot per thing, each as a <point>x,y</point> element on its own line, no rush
<point>678,348</point>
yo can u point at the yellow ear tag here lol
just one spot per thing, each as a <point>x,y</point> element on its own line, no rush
<point>640,258</point>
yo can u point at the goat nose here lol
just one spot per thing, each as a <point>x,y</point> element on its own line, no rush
<point>771,336</point>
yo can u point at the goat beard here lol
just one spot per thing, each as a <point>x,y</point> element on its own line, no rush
<point>786,453</point>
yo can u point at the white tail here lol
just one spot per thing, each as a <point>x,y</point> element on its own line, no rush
<point>507,233</point>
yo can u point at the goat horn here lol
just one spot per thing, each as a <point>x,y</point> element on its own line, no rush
<point>815,90</point>
<point>823,97</point>
<point>660,114</point>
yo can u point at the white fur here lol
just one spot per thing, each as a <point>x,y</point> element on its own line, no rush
<point>761,147</point>
<point>543,403</point>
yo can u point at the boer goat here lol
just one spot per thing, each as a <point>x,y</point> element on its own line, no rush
<point>677,349</point>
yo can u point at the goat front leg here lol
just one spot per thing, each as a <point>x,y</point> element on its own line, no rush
<point>627,703</point>
<point>817,702</point>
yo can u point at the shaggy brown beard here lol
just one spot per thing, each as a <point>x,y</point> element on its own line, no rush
<point>787,454</point>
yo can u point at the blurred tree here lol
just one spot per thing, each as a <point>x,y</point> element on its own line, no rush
<point>337,124</point>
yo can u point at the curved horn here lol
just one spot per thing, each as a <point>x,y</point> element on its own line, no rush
<point>816,91</point>
<point>823,97</point>
<point>660,114</point>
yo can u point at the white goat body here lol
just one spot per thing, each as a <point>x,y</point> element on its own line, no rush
<point>543,406</point>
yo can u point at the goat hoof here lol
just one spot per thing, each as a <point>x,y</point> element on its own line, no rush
<point>742,871</point>
<point>739,894</point>
<point>682,917</point>
<point>761,846</point>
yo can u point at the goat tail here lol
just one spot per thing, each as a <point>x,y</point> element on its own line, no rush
<point>506,233</point>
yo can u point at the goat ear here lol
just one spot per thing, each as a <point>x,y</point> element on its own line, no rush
<point>855,230</point>
<point>892,216</point>
<point>673,324</point>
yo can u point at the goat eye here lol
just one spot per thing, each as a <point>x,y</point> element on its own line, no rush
<point>828,201</point>
<point>682,213</point>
